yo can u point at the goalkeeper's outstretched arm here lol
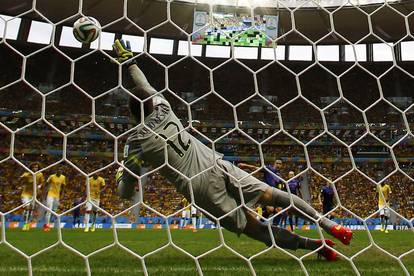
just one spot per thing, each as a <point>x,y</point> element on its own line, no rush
<point>142,90</point>
<point>140,81</point>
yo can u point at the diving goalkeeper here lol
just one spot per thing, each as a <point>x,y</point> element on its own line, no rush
<point>213,180</point>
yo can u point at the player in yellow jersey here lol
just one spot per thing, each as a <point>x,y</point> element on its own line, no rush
<point>384,192</point>
<point>185,215</point>
<point>27,192</point>
<point>259,211</point>
<point>96,185</point>
<point>55,183</point>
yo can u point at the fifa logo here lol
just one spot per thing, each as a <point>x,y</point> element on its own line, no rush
<point>200,19</point>
<point>271,22</point>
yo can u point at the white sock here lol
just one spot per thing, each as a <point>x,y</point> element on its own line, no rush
<point>86,222</point>
<point>47,221</point>
<point>194,222</point>
<point>26,216</point>
<point>200,221</point>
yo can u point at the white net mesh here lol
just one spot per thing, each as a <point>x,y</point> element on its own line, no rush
<point>330,96</point>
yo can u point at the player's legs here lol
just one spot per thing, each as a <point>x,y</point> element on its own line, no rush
<point>256,192</point>
<point>200,220</point>
<point>284,238</point>
<point>382,216</point>
<point>55,206</point>
<point>280,198</point>
<point>282,220</point>
<point>278,219</point>
<point>27,213</point>
<point>182,219</point>
<point>386,219</point>
<point>326,209</point>
<point>290,218</point>
<point>296,221</point>
<point>49,205</point>
<point>94,216</point>
<point>95,213</point>
<point>187,218</point>
<point>193,218</point>
<point>87,216</point>
<point>76,219</point>
<point>220,197</point>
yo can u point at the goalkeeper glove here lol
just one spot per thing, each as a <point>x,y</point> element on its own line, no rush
<point>122,50</point>
<point>119,173</point>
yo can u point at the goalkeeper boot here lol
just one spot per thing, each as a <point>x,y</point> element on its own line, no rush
<point>342,233</point>
<point>86,229</point>
<point>93,228</point>
<point>327,252</point>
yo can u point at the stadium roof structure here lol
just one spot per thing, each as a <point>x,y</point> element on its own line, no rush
<point>291,3</point>
<point>350,19</point>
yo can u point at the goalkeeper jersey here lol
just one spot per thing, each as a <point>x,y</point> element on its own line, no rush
<point>162,132</point>
<point>27,181</point>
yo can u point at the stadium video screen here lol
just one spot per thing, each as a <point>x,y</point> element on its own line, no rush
<point>230,27</point>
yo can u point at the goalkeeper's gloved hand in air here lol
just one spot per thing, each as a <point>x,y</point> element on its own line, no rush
<point>122,50</point>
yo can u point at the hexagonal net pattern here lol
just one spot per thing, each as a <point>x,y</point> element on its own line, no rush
<point>319,98</point>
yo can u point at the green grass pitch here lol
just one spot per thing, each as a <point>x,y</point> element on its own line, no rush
<point>170,261</point>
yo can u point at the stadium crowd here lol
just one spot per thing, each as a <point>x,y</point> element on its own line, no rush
<point>91,148</point>
<point>355,192</point>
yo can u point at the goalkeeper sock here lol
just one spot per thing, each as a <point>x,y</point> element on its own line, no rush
<point>310,244</point>
<point>286,239</point>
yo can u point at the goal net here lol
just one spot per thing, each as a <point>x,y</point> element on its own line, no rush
<point>322,90</point>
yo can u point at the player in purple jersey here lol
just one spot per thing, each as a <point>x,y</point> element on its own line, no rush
<point>294,188</point>
<point>326,198</point>
<point>272,175</point>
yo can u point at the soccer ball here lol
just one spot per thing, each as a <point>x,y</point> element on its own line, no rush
<point>86,29</point>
